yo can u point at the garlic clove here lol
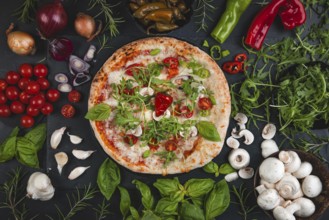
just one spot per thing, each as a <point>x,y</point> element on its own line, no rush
<point>232,142</point>
<point>76,172</point>
<point>56,137</point>
<point>61,160</point>
<point>74,138</point>
<point>82,154</point>
<point>64,87</point>
<point>246,173</point>
<point>269,131</point>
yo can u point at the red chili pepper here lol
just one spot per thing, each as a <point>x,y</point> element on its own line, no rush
<point>133,68</point>
<point>171,62</point>
<point>262,23</point>
<point>232,67</point>
<point>241,57</point>
<point>292,14</point>
<point>162,103</point>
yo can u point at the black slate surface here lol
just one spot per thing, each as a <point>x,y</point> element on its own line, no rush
<point>79,126</point>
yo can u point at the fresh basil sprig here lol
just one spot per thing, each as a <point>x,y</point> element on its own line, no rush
<point>191,211</point>
<point>99,112</point>
<point>147,198</point>
<point>124,201</point>
<point>108,178</point>
<point>208,131</point>
<point>217,200</point>
<point>198,187</point>
<point>8,146</point>
<point>166,207</point>
<point>212,167</point>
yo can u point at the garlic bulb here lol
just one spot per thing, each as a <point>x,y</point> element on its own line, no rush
<point>74,138</point>
<point>56,137</point>
<point>61,159</point>
<point>82,154</point>
<point>76,172</point>
<point>40,187</point>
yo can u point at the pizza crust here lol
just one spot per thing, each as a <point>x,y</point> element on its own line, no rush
<point>205,150</point>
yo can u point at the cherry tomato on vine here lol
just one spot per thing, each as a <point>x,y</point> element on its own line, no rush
<point>37,101</point>
<point>17,107</point>
<point>44,83</point>
<point>68,111</point>
<point>3,98</point>
<point>3,85</point>
<point>32,88</point>
<point>12,77</point>
<point>52,95</point>
<point>31,111</point>
<point>23,82</point>
<point>47,108</point>
<point>27,121</point>
<point>12,92</point>
<point>26,70</point>
<point>24,97</point>
<point>5,111</point>
<point>40,70</point>
<point>74,96</point>
<point>205,103</point>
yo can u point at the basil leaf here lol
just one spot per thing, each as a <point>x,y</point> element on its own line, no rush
<point>147,198</point>
<point>37,135</point>
<point>208,130</point>
<point>26,152</point>
<point>189,211</point>
<point>8,146</point>
<point>171,188</point>
<point>134,213</point>
<point>99,112</point>
<point>166,207</point>
<point>149,215</point>
<point>198,187</point>
<point>108,178</point>
<point>211,167</point>
<point>217,200</point>
<point>124,201</point>
<point>226,168</point>
<point>155,51</point>
<point>198,201</point>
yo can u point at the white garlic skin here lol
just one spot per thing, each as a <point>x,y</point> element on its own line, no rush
<point>39,187</point>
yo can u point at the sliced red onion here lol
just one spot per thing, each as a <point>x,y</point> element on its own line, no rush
<point>60,48</point>
<point>90,53</point>
<point>78,65</point>
<point>61,78</point>
<point>80,79</point>
<point>64,87</point>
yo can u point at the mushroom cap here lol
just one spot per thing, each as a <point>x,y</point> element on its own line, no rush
<point>239,158</point>
<point>271,170</point>
<point>246,173</point>
<point>304,170</point>
<point>241,118</point>
<point>248,136</point>
<point>268,199</point>
<point>307,207</point>
<point>288,186</point>
<point>269,147</point>
<point>269,131</point>
<point>312,186</point>
<point>281,213</point>
<point>291,160</point>
<point>232,142</point>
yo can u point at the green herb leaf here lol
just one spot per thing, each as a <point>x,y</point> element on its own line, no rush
<point>26,152</point>
<point>108,178</point>
<point>208,130</point>
<point>37,135</point>
<point>217,200</point>
<point>8,146</point>
<point>198,187</point>
<point>190,211</point>
<point>211,167</point>
<point>134,213</point>
<point>198,201</point>
<point>124,201</point>
<point>155,52</point>
<point>149,215</point>
<point>147,198</point>
<point>166,206</point>
<point>171,188</point>
<point>226,168</point>
<point>99,112</point>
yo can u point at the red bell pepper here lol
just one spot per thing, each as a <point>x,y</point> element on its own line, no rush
<point>292,14</point>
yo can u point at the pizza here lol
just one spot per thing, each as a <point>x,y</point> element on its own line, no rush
<point>166,105</point>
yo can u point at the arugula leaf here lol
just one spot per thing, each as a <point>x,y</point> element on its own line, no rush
<point>198,187</point>
<point>147,198</point>
<point>208,130</point>
<point>8,146</point>
<point>99,112</point>
<point>124,201</point>
<point>190,211</point>
<point>108,178</point>
<point>37,135</point>
<point>26,152</point>
<point>166,206</point>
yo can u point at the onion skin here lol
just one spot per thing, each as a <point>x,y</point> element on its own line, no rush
<point>60,49</point>
<point>85,26</point>
<point>51,19</point>
<point>20,42</point>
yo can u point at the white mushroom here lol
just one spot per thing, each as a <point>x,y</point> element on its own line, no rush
<point>61,160</point>
<point>138,131</point>
<point>146,91</point>
<point>82,154</point>
<point>56,137</point>
<point>291,160</point>
<point>304,170</point>
<point>267,185</point>
<point>312,186</point>
<point>248,136</point>
<point>39,187</point>
<point>192,132</point>
<point>74,138</point>
<point>269,147</point>
<point>271,170</point>
<point>231,177</point>
<point>269,131</point>
<point>241,118</point>
<point>289,187</point>
<point>301,207</point>
<point>281,213</point>
<point>241,126</point>
<point>235,134</point>
<point>261,188</point>
<point>239,158</point>
<point>307,207</point>
<point>268,199</point>
<point>246,173</point>
<point>76,172</point>
<point>166,114</point>
<point>232,142</point>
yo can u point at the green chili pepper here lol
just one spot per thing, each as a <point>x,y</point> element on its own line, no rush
<point>225,53</point>
<point>202,73</point>
<point>204,113</point>
<point>215,52</point>
<point>205,43</point>
<point>230,18</point>
<point>155,52</point>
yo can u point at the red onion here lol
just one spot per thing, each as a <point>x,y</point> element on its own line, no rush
<point>60,49</point>
<point>51,19</point>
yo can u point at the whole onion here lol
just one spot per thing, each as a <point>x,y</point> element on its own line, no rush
<point>51,19</point>
<point>85,26</point>
<point>60,48</point>
<point>20,42</point>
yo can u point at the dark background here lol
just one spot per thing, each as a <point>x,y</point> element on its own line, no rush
<point>129,31</point>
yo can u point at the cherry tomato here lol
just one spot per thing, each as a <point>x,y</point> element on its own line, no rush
<point>153,144</point>
<point>24,97</point>
<point>205,103</point>
<point>68,111</point>
<point>52,95</point>
<point>17,107</point>
<point>171,62</point>
<point>186,112</point>
<point>130,139</point>
<point>3,85</point>
<point>31,111</point>
<point>74,96</point>
<point>40,70</point>
<point>23,82</point>
<point>133,69</point>
<point>12,77</point>
<point>33,88</point>
<point>26,70</point>
<point>3,98</point>
<point>162,103</point>
<point>47,108</point>
<point>12,92</point>
<point>5,111</point>
<point>37,101</point>
<point>44,83</point>
<point>170,145</point>
<point>172,72</point>
<point>27,121</point>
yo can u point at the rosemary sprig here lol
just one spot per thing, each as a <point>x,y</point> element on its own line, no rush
<point>203,11</point>
<point>242,196</point>
<point>106,9</point>
<point>77,202</point>
<point>103,41</point>
<point>102,210</point>
<point>25,10</point>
